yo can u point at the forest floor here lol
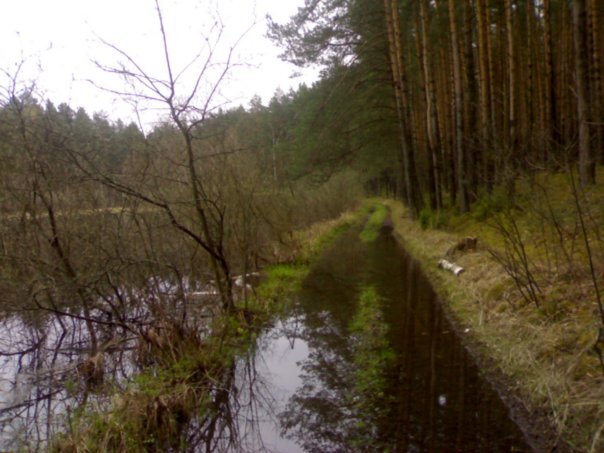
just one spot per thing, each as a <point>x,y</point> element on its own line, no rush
<point>543,354</point>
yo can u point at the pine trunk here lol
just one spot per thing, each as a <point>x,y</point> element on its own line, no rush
<point>462,180</point>
<point>511,120</point>
<point>412,190</point>
<point>587,167</point>
<point>597,111</point>
<point>431,114</point>
<point>484,89</point>
<point>551,107</point>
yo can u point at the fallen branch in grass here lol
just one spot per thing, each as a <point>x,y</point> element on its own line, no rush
<point>449,266</point>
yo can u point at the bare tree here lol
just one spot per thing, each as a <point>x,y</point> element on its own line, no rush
<point>188,107</point>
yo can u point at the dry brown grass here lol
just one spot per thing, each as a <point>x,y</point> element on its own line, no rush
<point>547,357</point>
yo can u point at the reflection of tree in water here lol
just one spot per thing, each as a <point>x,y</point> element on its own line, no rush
<point>42,376</point>
<point>46,379</point>
<point>401,383</point>
<point>343,402</point>
<point>356,394</point>
<point>231,423</point>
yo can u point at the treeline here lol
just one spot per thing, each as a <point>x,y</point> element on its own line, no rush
<point>472,92</point>
<point>85,200</point>
<point>437,102</point>
<point>33,137</point>
<point>434,101</point>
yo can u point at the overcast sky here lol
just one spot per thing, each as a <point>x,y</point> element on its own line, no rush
<point>58,39</point>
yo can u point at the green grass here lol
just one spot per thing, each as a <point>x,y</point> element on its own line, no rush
<point>282,281</point>
<point>372,360</point>
<point>312,248</point>
<point>371,231</point>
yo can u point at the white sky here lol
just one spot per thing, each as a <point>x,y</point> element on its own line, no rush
<point>59,39</point>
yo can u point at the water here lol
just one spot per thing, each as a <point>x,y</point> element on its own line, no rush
<point>334,375</point>
<point>40,356</point>
<point>408,386</point>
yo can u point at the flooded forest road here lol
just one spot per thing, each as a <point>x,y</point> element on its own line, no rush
<point>365,360</point>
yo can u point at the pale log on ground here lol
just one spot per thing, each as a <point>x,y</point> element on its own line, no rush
<point>449,266</point>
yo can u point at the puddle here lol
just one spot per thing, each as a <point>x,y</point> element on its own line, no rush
<point>417,390</point>
<point>334,375</point>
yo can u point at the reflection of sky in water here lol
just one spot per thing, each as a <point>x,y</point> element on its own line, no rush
<point>26,376</point>
<point>302,367</point>
<point>429,397</point>
<point>36,364</point>
<point>277,369</point>
<point>38,359</point>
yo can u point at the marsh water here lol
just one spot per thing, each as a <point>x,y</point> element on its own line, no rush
<point>363,360</point>
<point>416,389</point>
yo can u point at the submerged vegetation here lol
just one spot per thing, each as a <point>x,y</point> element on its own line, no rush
<point>373,360</point>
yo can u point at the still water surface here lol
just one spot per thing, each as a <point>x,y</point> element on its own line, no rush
<point>334,375</point>
<point>420,391</point>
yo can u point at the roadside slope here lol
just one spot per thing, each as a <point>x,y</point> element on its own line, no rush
<point>541,363</point>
